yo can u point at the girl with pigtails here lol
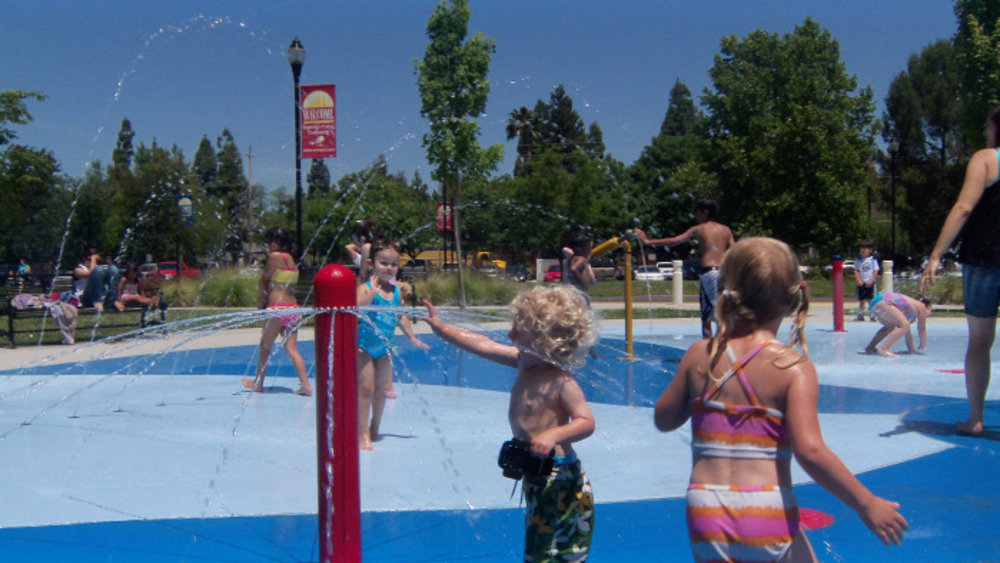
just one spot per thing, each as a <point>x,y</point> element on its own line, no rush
<point>752,405</point>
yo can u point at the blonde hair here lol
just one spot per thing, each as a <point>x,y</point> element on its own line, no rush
<point>759,281</point>
<point>557,322</point>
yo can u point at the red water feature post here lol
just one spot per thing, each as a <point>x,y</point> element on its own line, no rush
<point>337,416</point>
<point>838,294</point>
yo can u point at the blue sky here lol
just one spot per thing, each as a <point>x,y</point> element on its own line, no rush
<point>183,69</point>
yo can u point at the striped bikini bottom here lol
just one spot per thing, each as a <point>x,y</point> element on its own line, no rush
<point>742,523</point>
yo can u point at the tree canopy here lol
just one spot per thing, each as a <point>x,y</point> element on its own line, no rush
<point>791,137</point>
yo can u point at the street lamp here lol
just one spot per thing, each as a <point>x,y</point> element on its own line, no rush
<point>893,149</point>
<point>296,57</point>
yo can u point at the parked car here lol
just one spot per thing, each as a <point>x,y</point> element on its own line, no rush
<point>148,269</point>
<point>648,273</point>
<point>667,269</point>
<point>415,267</point>
<point>604,268</point>
<point>516,272</point>
<point>848,268</point>
<point>554,273</point>
<point>490,270</point>
<point>169,270</point>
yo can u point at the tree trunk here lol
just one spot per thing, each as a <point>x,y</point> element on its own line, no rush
<point>457,226</point>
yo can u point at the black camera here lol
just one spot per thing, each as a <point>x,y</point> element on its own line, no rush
<point>518,462</point>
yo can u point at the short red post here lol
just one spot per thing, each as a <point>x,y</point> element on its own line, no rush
<point>838,294</point>
<point>337,416</point>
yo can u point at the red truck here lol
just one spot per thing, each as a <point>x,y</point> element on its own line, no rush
<point>169,270</point>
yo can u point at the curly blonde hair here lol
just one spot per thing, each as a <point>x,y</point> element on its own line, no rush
<point>558,323</point>
<point>760,280</point>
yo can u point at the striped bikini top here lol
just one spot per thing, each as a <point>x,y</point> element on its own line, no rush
<point>738,431</point>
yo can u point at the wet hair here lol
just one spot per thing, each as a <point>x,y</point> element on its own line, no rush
<point>925,300</point>
<point>381,244</point>
<point>558,323</point>
<point>759,281</point>
<point>579,244</point>
<point>708,205</point>
<point>279,236</point>
<point>992,130</point>
<point>367,229</point>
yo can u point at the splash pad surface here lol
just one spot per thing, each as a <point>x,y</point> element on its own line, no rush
<point>118,460</point>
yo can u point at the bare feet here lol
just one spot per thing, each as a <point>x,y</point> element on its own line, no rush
<point>390,393</point>
<point>304,391</point>
<point>365,441</point>
<point>974,429</point>
<point>251,384</point>
<point>99,307</point>
<point>887,353</point>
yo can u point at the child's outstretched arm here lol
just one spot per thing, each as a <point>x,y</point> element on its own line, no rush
<point>479,344</point>
<point>407,328</point>
<point>880,515</point>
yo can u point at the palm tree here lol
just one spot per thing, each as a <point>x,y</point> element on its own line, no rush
<point>522,125</point>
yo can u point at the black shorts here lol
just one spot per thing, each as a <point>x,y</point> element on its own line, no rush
<point>866,292</point>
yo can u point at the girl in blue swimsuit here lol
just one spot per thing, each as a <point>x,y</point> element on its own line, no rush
<point>375,335</point>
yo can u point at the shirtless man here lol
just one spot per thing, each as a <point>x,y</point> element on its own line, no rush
<point>714,239</point>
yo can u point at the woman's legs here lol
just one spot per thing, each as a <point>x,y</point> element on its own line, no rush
<point>982,332</point>
<point>292,349</point>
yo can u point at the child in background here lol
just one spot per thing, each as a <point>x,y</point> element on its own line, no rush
<point>865,274</point>
<point>375,335</point>
<point>577,272</point>
<point>896,312</point>
<point>552,328</point>
<point>363,234</point>
<point>740,502</point>
<point>276,290</point>
<point>129,292</point>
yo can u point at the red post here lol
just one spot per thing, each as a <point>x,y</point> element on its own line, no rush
<point>838,294</point>
<point>337,417</point>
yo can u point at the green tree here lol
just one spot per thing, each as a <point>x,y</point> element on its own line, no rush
<point>205,165</point>
<point>318,179</point>
<point>453,82</point>
<point>791,137</point>
<point>921,116</point>
<point>978,44</point>
<point>230,192</point>
<point>32,202</point>
<point>664,169</point>
<point>682,116</point>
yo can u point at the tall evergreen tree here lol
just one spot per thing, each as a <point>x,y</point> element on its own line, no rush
<point>682,115</point>
<point>318,179</point>
<point>205,164</point>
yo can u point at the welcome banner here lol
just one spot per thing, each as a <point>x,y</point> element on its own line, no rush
<point>319,120</point>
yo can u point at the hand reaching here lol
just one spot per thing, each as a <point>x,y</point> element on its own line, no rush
<point>884,520</point>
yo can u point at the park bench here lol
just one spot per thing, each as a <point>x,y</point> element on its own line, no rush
<point>91,325</point>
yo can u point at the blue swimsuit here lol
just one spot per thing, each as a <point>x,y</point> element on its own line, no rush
<point>373,339</point>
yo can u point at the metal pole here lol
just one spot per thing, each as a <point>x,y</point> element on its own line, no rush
<point>297,70</point>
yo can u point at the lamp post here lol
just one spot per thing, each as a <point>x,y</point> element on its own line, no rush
<point>893,149</point>
<point>296,57</point>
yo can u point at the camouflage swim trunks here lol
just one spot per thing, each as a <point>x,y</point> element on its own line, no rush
<point>559,523</point>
